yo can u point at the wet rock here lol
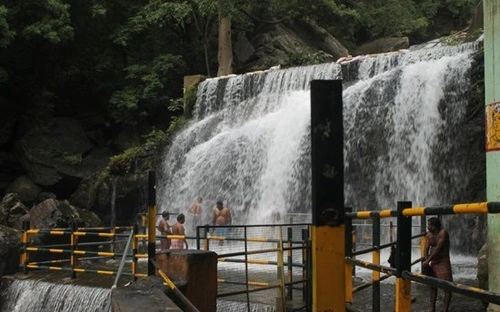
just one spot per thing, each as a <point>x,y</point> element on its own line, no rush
<point>24,186</point>
<point>53,213</point>
<point>10,243</point>
<point>383,45</point>
<point>12,211</point>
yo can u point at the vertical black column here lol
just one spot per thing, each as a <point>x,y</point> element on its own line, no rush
<point>403,254</point>
<point>151,221</point>
<point>327,152</point>
<point>327,163</point>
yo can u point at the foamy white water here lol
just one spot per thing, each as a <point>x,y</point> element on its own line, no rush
<point>248,143</point>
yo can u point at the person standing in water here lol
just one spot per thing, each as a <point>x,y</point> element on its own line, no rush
<point>221,216</point>
<point>437,259</point>
<point>178,229</point>
<point>195,210</point>
<point>164,229</point>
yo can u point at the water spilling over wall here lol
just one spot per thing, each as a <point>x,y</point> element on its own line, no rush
<point>405,139</point>
<point>39,296</point>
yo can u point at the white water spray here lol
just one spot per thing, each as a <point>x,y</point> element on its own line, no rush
<point>249,141</point>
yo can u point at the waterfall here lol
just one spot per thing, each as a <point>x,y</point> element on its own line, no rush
<point>404,115</point>
<point>40,296</point>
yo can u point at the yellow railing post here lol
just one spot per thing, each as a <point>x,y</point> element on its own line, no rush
<point>135,245</point>
<point>349,268</point>
<point>24,242</point>
<point>73,248</point>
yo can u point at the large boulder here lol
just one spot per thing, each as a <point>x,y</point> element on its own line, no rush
<point>383,45</point>
<point>9,114</point>
<point>53,213</point>
<point>59,155</point>
<point>10,244</point>
<point>10,168</point>
<point>12,211</point>
<point>25,188</point>
<point>278,42</point>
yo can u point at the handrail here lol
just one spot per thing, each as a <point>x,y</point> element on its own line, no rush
<point>465,290</point>
<point>120,269</point>
<point>190,307</point>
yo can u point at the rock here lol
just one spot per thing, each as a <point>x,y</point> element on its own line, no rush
<point>127,138</point>
<point>128,196</point>
<point>243,49</point>
<point>53,213</point>
<point>9,170</point>
<point>276,43</point>
<point>12,211</point>
<point>9,113</point>
<point>383,45</point>
<point>24,186</point>
<point>60,153</point>
<point>10,244</point>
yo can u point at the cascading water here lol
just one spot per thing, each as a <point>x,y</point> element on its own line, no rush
<point>40,296</point>
<point>248,142</point>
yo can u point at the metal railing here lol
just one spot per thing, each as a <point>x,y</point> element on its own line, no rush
<point>255,245</point>
<point>402,270</point>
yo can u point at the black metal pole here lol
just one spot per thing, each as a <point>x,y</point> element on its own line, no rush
<point>290,260</point>
<point>152,222</point>
<point>403,254</point>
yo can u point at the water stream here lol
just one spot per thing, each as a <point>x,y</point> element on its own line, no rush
<point>40,296</point>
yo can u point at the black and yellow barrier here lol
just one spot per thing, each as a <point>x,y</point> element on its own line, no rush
<point>465,290</point>
<point>402,272</point>
<point>188,305</point>
<point>475,208</point>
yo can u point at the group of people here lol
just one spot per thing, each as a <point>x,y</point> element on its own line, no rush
<point>177,229</point>
<point>436,252</point>
<point>220,216</point>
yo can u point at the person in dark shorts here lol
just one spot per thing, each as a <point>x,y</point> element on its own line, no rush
<point>437,259</point>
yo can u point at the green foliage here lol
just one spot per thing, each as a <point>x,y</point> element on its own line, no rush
<point>155,13</point>
<point>54,25</point>
<point>455,38</point>
<point>392,18</point>
<point>146,88</point>
<point>72,159</point>
<point>123,163</point>
<point>6,34</point>
<point>124,103</point>
<point>190,100</point>
<point>155,139</point>
<point>176,124</point>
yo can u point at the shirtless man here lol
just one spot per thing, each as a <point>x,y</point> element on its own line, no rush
<point>178,229</point>
<point>437,259</point>
<point>164,229</point>
<point>221,216</point>
<point>195,210</point>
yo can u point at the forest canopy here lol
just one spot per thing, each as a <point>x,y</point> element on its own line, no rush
<point>126,59</point>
